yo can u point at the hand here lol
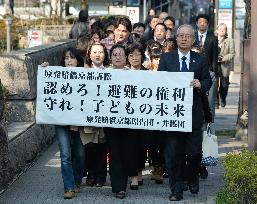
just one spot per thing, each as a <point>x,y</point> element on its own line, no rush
<point>44,64</point>
<point>195,83</point>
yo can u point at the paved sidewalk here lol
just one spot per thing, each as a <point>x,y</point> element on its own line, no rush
<point>42,184</point>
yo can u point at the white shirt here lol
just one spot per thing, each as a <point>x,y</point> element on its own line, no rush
<point>204,36</point>
<point>220,40</point>
<point>180,55</point>
<point>159,41</point>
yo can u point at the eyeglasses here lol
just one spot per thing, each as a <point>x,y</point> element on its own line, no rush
<point>187,36</point>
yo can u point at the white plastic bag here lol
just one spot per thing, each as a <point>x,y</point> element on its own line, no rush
<point>209,147</point>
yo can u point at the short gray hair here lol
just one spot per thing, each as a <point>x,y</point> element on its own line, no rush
<point>187,26</point>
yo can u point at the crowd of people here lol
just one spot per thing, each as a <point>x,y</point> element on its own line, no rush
<point>156,45</point>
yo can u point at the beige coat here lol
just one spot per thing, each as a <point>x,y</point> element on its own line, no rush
<point>227,53</point>
<point>90,134</point>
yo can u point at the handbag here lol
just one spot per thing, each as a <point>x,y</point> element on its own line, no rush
<point>209,147</point>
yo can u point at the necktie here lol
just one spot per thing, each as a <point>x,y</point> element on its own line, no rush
<point>201,41</point>
<point>184,65</point>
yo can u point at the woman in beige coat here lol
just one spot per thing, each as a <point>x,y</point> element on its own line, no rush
<point>225,62</point>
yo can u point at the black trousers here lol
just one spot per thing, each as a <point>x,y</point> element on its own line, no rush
<point>96,161</point>
<point>222,84</point>
<point>124,149</point>
<point>178,146</point>
<point>156,148</point>
<point>142,157</point>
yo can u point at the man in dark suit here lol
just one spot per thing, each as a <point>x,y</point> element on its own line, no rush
<point>179,144</point>
<point>207,44</point>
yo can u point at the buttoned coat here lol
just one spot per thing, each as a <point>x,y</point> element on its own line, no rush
<point>227,52</point>
<point>198,64</point>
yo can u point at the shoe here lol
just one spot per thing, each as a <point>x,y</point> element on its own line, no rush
<point>140,183</point>
<point>203,172</point>
<point>154,172</point>
<point>99,184</point>
<point>69,194</point>
<point>165,175</point>
<point>175,197</point>
<point>217,106</point>
<point>120,195</point>
<point>134,183</point>
<point>159,175</point>
<point>90,181</point>
<point>77,189</point>
<point>223,104</point>
<point>194,188</point>
<point>133,187</point>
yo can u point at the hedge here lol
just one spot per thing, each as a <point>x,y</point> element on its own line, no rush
<point>240,178</point>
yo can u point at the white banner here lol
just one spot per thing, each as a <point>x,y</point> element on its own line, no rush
<point>115,98</point>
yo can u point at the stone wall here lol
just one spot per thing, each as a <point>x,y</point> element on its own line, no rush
<point>24,139</point>
<point>18,71</point>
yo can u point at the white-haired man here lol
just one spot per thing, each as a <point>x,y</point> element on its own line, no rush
<point>186,144</point>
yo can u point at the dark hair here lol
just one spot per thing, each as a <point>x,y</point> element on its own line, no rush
<point>125,22</point>
<point>156,52</point>
<point>136,46</point>
<point>108,32</point>
<point>138,25</point>
<point>150,10</point>
<point>205,16</point>
<point>117,46</point>
<point>106,57</point>
<point>83,16</point>
<point>85,41</point>
<point>169,45</point>
<point>152,17</point>
<point>162,25</point>
<point>73,53</point>
<point>172,19</point>
<point>152,44</point>
<point>110,21</point>
<point>97,25</point>
<point>97,31</point>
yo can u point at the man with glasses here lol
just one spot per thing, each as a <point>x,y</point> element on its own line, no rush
<point>181,144</point>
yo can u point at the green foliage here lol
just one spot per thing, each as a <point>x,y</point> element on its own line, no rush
<point>223,197</point>
<point>241,179</point>
<point>225,133</point>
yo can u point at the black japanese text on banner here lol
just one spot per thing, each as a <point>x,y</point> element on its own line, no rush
<point>115,98</point>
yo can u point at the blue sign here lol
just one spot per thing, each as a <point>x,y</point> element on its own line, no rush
<point>225,4</point>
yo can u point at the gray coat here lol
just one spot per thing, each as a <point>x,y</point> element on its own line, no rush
<point>227,53</point>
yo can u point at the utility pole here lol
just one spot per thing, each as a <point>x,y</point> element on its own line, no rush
<point>252,100</point>
<point>8,22</point>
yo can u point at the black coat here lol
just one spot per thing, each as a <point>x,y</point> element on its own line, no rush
<point>210,50</point>
<point>198,64</point>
